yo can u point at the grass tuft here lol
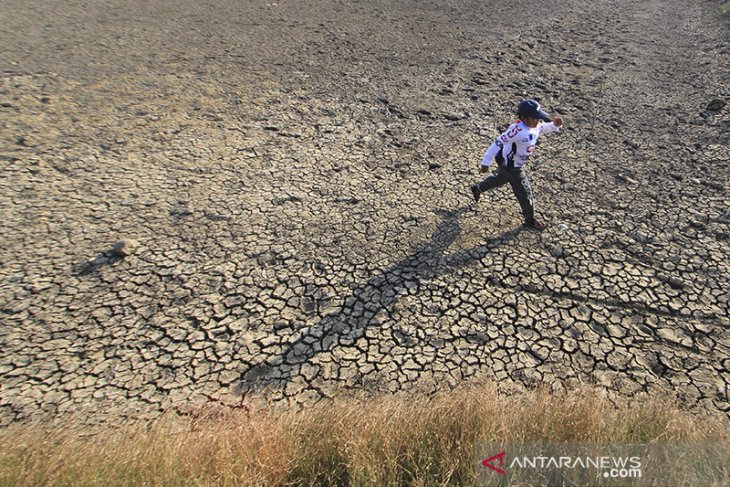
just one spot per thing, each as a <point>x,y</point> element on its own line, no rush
<point>393,440</point>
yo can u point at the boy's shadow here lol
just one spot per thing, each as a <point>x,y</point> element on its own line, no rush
<point>380,292</point>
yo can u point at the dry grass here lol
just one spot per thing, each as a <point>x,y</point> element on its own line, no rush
<point>395,440</point>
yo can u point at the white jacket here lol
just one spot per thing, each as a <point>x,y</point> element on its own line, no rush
<point>516,144</point>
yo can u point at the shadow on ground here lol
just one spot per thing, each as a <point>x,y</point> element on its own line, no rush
<point>379,293</point>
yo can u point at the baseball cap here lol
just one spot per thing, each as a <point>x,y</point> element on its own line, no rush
<point>531,108</point>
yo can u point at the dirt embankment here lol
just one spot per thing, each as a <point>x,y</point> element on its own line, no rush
<point>296,175</point>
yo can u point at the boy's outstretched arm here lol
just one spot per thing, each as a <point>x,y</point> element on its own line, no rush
<point>553,126</point>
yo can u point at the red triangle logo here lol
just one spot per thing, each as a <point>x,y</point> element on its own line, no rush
<point>499,456</point>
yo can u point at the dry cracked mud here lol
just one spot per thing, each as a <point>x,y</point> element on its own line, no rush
<point>296,176</point>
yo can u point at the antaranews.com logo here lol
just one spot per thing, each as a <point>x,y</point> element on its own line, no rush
<point>603,464</point>
<point>609,466</point>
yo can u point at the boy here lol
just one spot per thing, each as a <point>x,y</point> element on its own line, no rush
<point>511,151</point>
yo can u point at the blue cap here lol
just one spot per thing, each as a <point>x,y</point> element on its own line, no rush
<point>531,108</point>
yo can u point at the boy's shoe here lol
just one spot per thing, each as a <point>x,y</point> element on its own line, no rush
<point>475,191</point>
<point>535,224</point>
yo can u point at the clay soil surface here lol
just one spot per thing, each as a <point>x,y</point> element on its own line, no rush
<point>296,177</point>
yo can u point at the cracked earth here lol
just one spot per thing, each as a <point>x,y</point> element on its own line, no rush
<point>295,179</point>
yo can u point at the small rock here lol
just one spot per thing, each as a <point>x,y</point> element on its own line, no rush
<point>396,111</point>
<point>125,247</point>
<point>456,116</point>
<point>217,218</point>
<point>716,105</point>
<point>181,212</point>
<point>557,252</point>
<point>625,179</point>
<point>562,227</point>
<point>640,237</point>
<point>676,283</point>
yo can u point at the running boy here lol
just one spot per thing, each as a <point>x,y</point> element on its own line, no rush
<point>511,151</point>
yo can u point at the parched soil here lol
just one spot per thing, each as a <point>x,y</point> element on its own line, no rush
<point>297,174</point>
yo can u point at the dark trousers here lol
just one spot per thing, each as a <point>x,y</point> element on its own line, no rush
<point>520,185</point>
